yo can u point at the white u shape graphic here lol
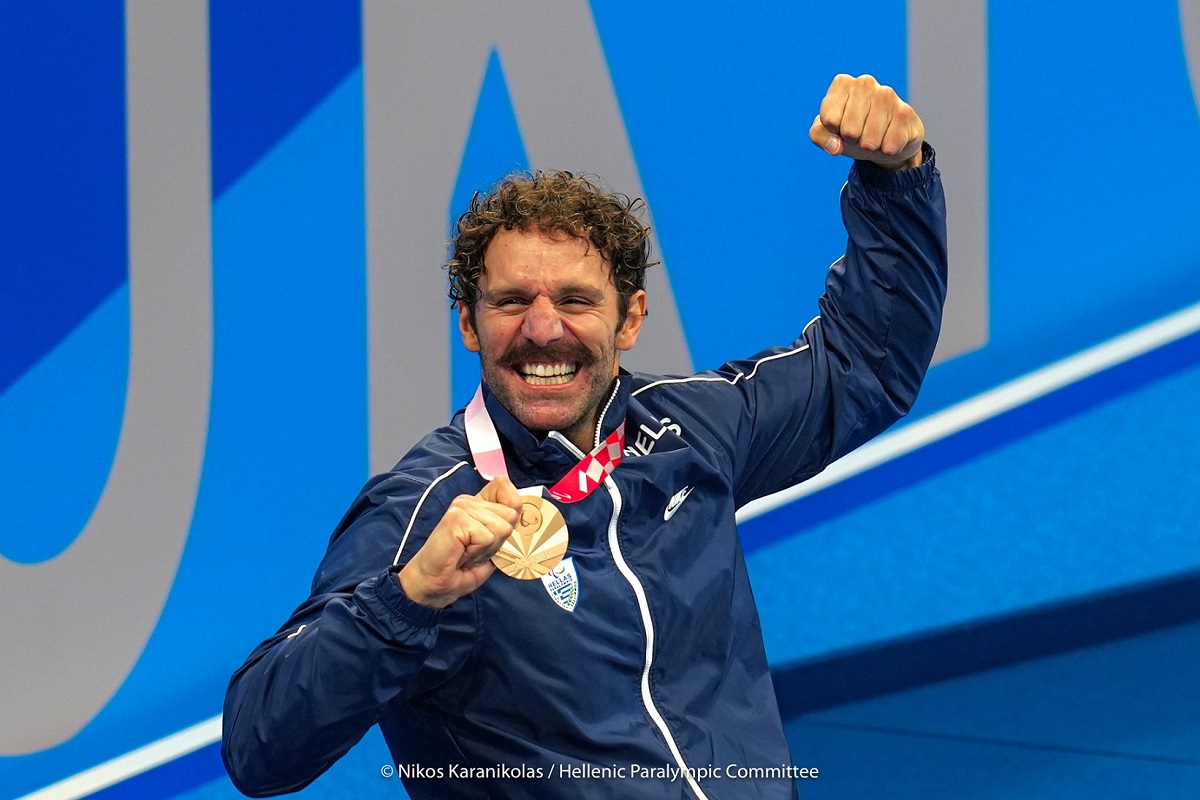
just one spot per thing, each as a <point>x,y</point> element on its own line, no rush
<point>74,626</point>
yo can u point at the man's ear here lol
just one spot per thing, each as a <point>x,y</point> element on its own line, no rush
<point>628,334</point>
<point>470,338</point>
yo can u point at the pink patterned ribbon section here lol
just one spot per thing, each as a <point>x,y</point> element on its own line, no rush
<point>481,436</point>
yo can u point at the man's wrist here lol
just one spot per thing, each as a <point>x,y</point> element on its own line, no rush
<point>410,584</point>
<point>899,166</point>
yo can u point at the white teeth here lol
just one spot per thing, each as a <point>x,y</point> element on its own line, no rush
<point>547,374</point>
<point>548,380</point>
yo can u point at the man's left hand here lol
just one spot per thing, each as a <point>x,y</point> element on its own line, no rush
<point>866,120</point>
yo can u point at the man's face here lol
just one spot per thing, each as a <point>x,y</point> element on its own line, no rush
<point>547,330</point>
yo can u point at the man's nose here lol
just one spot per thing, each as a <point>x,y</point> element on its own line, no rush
<point>542,324</point>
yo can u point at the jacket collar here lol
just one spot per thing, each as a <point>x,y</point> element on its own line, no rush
<point>552,455</point>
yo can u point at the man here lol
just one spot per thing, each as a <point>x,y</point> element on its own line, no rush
<point>619,654</point>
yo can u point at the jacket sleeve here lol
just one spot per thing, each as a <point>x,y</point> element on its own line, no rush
<point>858,365</point>
<point>309,693</point>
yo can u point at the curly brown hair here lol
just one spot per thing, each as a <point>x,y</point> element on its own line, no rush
<point>555,203</point>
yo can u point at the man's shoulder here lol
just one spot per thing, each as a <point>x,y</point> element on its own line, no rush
<point>433,458</point>
<point>654,388</point>
<point>693,403</point>
<point>734,374</point>
<point>645,384</point>
<point>437,468</point>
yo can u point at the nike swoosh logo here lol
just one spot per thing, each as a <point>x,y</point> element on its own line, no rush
<point>675,502</point>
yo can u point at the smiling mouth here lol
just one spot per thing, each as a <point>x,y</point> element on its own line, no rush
<point>547,374</point>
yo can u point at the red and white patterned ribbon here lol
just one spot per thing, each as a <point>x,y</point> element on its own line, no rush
<point>583,479</point>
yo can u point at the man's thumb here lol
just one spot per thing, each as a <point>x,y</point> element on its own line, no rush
<point>501,490</point>
<point>829,142</point>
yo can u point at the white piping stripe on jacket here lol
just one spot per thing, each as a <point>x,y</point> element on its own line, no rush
<point>644,608</point>
<point>420,503</point>
<point>639,592</point>
<point>740,375</point>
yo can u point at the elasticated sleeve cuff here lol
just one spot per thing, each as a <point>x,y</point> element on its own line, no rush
<point>888,181</point>
<point>387,598</point>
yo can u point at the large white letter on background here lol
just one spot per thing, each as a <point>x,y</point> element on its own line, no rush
<point>74,626</point>
<point>423,65</point>
<point>948,85</point>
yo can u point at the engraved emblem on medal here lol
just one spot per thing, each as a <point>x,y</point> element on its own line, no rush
<point>537,545</point>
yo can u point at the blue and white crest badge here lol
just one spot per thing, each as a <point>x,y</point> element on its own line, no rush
<point>562,584</point>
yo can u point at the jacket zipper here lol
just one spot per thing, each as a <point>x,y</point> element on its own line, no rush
<point>604,412</point>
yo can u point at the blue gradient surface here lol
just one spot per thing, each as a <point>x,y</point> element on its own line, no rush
<point>272,62</point>
<point>59,424</point>
<point>63,247</point>
<point>1106,498</point>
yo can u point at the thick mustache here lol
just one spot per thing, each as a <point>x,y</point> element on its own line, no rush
<point>527,353</point>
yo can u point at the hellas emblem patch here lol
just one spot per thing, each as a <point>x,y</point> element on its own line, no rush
<point>562,584</point>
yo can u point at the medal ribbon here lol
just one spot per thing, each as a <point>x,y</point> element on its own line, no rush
<point>583,479</point>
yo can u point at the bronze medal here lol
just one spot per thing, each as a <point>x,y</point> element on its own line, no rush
<point>538,543</point>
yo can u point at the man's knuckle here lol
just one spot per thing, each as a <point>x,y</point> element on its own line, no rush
<point>459,512</point>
